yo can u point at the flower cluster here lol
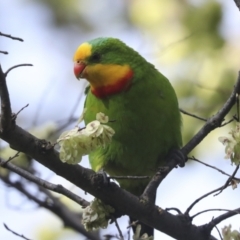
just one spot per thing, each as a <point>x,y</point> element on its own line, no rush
<point>137,236</point>
<point>232,144</point>
<point>229,234</point>
<point>96,215</point>
<point>79,142</point>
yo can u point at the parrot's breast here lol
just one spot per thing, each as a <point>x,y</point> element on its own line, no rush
<point>146,120</point>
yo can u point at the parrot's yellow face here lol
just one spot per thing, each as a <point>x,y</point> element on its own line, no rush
<point>82,53</point>
<point>105,77</point>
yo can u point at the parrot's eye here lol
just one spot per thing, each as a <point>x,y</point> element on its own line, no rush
<point>96,57</point>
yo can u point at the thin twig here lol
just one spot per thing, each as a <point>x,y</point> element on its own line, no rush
<point>174,209</point>
<point>220,218</point>
<point>21,109</point>
<point>174,43</point>
<point>53,187</point>
<point>228,181</point>
<point>16,66</point>
<point>4,52</point>
<point>199,199</point>
<point>128,232</point>
<point>227,184</point>
<point>133,223</point>
<point>64,125</point>
<point>226,123</point>
<point>11,158</point>
<point>10,36</point>
<point>192,115</point>
<point>220,235</point>
<point>129,177</point>
<point>75,106</point>
<point>210,210</point>
<point>118,228</point>
<point>213,167</point>
<point>17,234</point>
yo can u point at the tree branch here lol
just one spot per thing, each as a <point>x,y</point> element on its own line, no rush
<point>9,36</point>
<point>50,186</point>
<point>16,66</point>
<point>69,218</point>
<point>86,179</point>
<point>237,3</point>
<point>15,233</point>
<point>6,111</point>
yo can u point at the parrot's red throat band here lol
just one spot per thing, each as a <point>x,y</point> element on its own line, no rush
<point>120,85</point>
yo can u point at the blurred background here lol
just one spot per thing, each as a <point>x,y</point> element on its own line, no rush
<point>195,43</point>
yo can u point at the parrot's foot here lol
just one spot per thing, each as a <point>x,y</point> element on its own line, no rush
<point>179,157</point>
<point>104,176</point>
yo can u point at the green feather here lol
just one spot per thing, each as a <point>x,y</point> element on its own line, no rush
<point>146,117</point>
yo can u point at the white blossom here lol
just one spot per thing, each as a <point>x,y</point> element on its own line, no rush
<point>96,215</point>
<point>81,141</point>
<point>232,145</point>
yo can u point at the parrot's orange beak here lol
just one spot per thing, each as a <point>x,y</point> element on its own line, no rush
<point>79,68</point>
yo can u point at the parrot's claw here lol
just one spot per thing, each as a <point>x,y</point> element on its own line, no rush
<point>104,176</point>
<point>178,156</point>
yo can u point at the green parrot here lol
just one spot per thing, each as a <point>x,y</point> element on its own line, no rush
<point>142,105</point>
